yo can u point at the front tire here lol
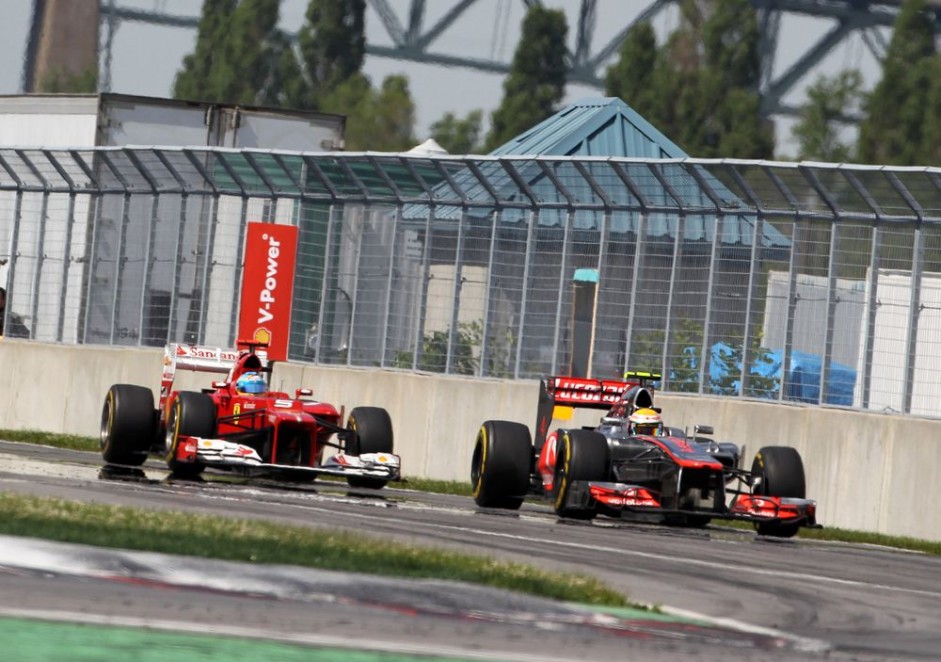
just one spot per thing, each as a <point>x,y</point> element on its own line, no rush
<point>583,455</point>
<point>127,424</point>
<point>372,433</point>
<point>500,467</point>
<point>781,473</point>
<point>191,415</point>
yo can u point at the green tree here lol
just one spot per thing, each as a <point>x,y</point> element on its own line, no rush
<point>536,81</point>
<point>632,78</point>
<point>899,111</point>
<point>394,124</point>
<point>241,57</point>
<point>376,120</point>
<point>646,351</point>
<point>434,351</point>
<point>685,344</point>
<point>193,80</point>
<point>932,129</point>
<point>332,44</point>
<point>730,39</point>
<point>253,50</point>
<point>831,101</point>
<point>285,86</point>
<point>701,87</point>
<point>459,136</point>
<point>238,48</point>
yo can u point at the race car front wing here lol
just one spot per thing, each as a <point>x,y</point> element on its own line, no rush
<point>223,453</point>
<point>638,499</point>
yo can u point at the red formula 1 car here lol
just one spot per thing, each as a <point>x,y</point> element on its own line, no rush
<point>240,424</point>
<point>612,470</point>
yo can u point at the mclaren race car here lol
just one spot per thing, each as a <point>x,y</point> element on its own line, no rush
<point>632,464</point>
<point>240,424</point>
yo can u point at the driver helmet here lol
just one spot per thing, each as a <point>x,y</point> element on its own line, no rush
<point>251,382</point>
<point>646,421</point>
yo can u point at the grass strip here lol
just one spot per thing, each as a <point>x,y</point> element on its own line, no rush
<point>70,441</point>
<point>263,542</point>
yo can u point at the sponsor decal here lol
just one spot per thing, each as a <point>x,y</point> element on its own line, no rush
<point>195,352</point>
<point>627,501</point>
<point>267,286</point>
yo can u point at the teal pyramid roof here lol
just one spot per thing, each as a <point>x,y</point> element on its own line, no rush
<point>603,126</point>
<point>606,127</point>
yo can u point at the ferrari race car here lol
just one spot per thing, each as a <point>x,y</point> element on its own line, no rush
<point>612,470</point>
<point>240,424</point>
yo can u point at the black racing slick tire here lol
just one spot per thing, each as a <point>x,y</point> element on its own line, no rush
<point>581,455</point>
<point>372,433</point>
<point>500,467</point>
<point>127,424</point>
<point>191,415</point>
<point>780,471</point>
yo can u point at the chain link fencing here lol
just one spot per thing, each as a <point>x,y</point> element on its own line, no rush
<point>818,283</point>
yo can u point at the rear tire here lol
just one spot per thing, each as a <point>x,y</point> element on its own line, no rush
<point>500,467</point>
<point>127,425</point>
<point>372,428</point>
<point>583,455</point>
<point>192,415</point>
<point>781,471</point>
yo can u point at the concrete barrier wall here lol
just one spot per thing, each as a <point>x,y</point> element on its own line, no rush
<point>868,471</point>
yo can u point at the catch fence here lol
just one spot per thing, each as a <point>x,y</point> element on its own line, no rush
<point>818,283</point>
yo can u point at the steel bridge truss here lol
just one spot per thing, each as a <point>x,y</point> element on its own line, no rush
<point>414,39</point>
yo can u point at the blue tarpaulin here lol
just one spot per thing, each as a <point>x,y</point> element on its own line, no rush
<point>803,378</point>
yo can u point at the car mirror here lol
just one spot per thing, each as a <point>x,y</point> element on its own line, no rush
<point>302,391</point>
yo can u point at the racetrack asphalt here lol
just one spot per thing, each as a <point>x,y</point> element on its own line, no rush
<point>765,599</point>
<point>71,629</point>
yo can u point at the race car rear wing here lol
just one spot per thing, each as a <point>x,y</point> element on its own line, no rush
<point>200,358</point>
<point>584,393</point>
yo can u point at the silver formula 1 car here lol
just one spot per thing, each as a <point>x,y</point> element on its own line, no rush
<point>611,469</point>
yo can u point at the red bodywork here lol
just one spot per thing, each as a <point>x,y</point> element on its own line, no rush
<point>292,421</point>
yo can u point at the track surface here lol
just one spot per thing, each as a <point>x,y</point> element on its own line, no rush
<point>799,599</point>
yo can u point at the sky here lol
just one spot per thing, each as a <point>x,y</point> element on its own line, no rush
<point>146,57</point>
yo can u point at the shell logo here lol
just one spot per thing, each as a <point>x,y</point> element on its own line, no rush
<point>262,335</point>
